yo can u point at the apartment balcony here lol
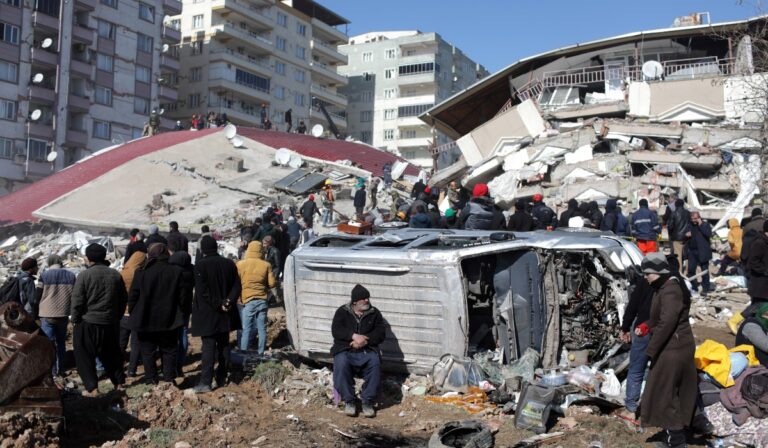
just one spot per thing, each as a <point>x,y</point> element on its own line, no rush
<point>338,120</point>
<point>332,33</point>
<point>255,65</point>
<point>43,131</point>
<point>416,79</point>
<point>45,58</point>
<point>227,32</point>
<point>418,142</point>
<point>328,73</point>
<point>328,96</point>
<point>416,59</point>
<point>172,7</point>
<point>327,51</point>
<point>86,5</point>
<point>42,94</point>
<point>240,89</point>
<point>409,122</point>
<point>249,12</point>
<point>76,137</point>
<point>79,103</point>
<point>81,68</point>
<point>169,63</point>
<point>82,34</point>
<point>171,35</point>
<point>237,114</point>
<point>44,21</point>
<point>168,93</point>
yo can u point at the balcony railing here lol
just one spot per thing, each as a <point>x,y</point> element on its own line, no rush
<point>261,62</point>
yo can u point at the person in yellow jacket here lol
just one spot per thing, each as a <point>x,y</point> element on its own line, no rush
<point>735,234</point>
<point>257,279</point>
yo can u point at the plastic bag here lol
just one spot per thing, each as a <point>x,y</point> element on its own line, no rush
<point>456,373</point>
<point>523,367</point>
<point>611,385</point>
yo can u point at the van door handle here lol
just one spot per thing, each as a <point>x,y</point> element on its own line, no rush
<point>358,267</point>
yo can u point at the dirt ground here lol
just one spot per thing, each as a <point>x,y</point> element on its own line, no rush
<point>297,411</point>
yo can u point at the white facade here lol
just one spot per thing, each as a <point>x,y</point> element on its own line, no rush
<point>393,78</point>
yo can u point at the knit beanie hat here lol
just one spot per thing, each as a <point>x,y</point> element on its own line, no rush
<point>208,245</point>
<point>96,252</point>
<point>28,264</point>
<point>54,259</point>
<point>480,190</point>
<point>655,263</point>
<point>359,293</point>
<point>153,229</point>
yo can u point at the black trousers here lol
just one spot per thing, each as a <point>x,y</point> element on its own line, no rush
<point>167,343</point>
<point>215,349</point>
<point>125,335</point>
<point>91,341</point>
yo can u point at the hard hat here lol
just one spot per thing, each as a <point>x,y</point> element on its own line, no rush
<point>327,181</point>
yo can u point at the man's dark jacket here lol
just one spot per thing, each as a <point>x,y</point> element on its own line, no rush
<point>699,244</point>
<point>645,224</point>
<point>359,200</point>
<point>184,261</point>
<point>308,210</point>
<point>177,241</point>
<point>679,224</point>
<point>99,296</point>
<point>543,216</point>
<point>156,238</point>
<point>155,302</point>
<point>757,267</point>
<point>520,221</point>
<point>346,323</point>
<point>216,283</point>
<point>571,212</point>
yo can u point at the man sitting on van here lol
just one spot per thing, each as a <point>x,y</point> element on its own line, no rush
<point>357,329</point>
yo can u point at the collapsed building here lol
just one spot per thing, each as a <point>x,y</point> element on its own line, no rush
<point>634,116</point>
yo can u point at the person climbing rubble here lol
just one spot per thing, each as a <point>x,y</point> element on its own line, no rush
<point>256,279</point>
<point>55,302</point>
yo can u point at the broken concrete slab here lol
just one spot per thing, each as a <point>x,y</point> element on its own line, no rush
<point>603,109</point>
<point>731,139</point>
<point>453,172</point>
<point>685,159</point>
<point>637,129</point>
<point>715,185</point>
<point>582,154</point>
<point>503,188</point>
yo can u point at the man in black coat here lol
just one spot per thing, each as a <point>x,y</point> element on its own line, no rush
<point>184,261</point>
<point>308,211</point>
<point>155,305</point>
<point>699,251</point>
<point>521,220</point>
<point>757,268</point>
<point>214,314</point>
<point>544,218</point>
<point>358,330</point>
<point>154,236</point>
<point>176,240</point>
<point>571,212</point>
<point>678,226</point>
<point>359,200</point>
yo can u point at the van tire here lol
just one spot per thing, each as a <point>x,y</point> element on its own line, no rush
<point>466,434</point>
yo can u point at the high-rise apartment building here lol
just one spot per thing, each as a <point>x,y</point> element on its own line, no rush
<point>77,76</point>
<point>238,55</point>
<point>393,78</point>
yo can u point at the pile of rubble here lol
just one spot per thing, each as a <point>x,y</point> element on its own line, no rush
<point>31,430</point>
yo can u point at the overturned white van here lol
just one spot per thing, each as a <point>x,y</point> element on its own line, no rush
<point>460,292</point>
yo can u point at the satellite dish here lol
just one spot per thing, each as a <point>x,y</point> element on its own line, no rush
<point>52,156</point>
<point>38,78</point>
<point>653,70</point>
<point>166,47</point>
<point>237,141</point>
<point>283,156</point>
<point>230,131</point>
<point>317,130</point>
<point>36,114</point>
<point>46,43</point>
<point>295,162</point>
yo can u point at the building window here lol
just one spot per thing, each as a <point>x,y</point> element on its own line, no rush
<point>195,74</point>
<point>11,2</point>
<point>301,29</point>
<point>280,68</point>
<point>103,95</point>
<point>280,43</point>
<point>196,48</point>
<point>174,24</point>
<point>38,149</point>
<point>280,92</point>
<point>367,96</point>
<point>389,135</point>
<point>6,148</point>
<point>106,30</point>
<point>9,71</point>
<point>415,69</point>
<point>143,74</point>
<point>367,56</point>
<point>9,33</point>
<point>197,22</point>
<point>144,43</point>
<point>390,93</point>
<point>413,111</point>
<point>140,105</point>
<point>102,129</point>
<point>389,73</point>
<point>390,114</point>
<point>301,52</point>
<point>411,133</point>
<point>110,3</point>
<point>409,155</point>
<point>367,77</point>
<point>365,116</point>
<point>365,137</point>
<point>282,19</point>
<point>251,80</point>
<point>146,12</point>
<point>391,53</point>
<point>299,75</point>
<point>194,100</point>
<point>48,7</point>
<point>298,99</point>
<point>8,109</point>
<point>104,62</point>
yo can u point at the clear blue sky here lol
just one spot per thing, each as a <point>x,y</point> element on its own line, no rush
<point>497,33</point>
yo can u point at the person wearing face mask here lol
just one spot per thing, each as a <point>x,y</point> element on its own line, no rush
<point>358,330</point>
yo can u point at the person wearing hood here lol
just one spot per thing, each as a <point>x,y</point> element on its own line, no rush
<point>679,227</point>
<point>521,220</point>
<point>261,229</point>
<point>137,260</point>
<point>308,211</point>
<point>421,219</point>
<point>58,284</point>
<point>256,280</point>
<point>754,331</point>
<point>699,251</point>
<point>733,255</point>
<point>214,314</point>
<point>645,228</point>
<point>28,286</point>
<point>610,222</point>
<point>543,216</point>
<point>358,329</point>
<point>155,237</point>
<point>294,232</point>
<point>595,215</point>
<point>418,188</point>
<point>184,261</point>
<point>478,214</point>
<point>571,212</point>
<point>751,230</point>
<point>155,305</point>
<point>669,397</point>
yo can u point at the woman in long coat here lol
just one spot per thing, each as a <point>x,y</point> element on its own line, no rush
<point>670,392</point>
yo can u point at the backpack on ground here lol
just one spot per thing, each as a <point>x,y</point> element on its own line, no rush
<point>10,291</point>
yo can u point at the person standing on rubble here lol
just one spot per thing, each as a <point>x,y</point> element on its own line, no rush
<point>359,201</point>
<point>595,215</point>
<point>418,188</point>
<point>271,255</point>
<point>521,220</point>
<point>373,193</point>
<point>294,232</point>
<point>543,216</point>
<point>28,286</point>
<point>571,212</point>
<point>752,230</point>
<point>288,118</point>
<point>214,314</point>
<point>678,227</point>
<point>155,305</point>
<point>183,260</point>
<point>733,255</point>
<point>256,279</point>
<point>699,251</point>
<point>176,240</point>
<point>155,237</point>
<point>58,284</point>
<point>137,260</point>
<point>308,211</point>
<point>669,397</point>
<point>645,228</point>
<point>757,270</point>
<point>480,212</point>
<point>328,200</point>
<point>358,330</point>
<point>610,221</point>
<point>98,303</point>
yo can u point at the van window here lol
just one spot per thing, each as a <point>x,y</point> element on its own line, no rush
<point>335,241</point>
